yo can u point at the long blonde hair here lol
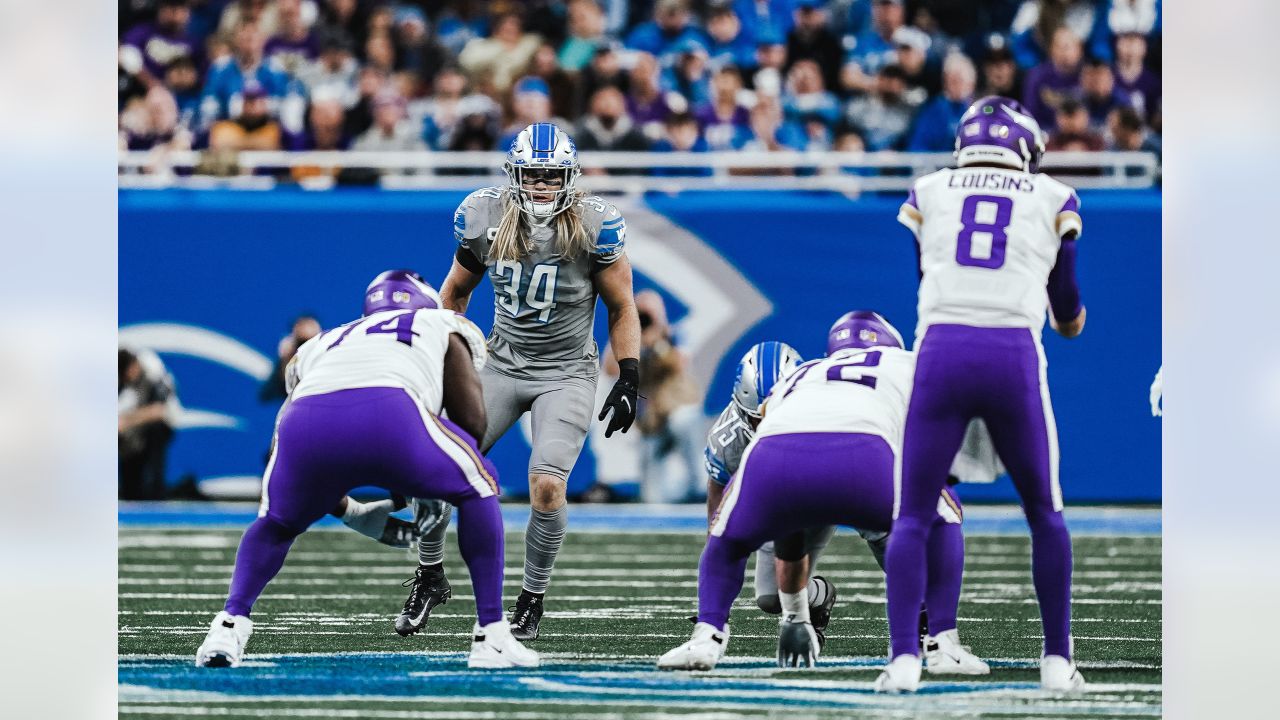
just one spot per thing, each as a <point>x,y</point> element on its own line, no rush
<point>514,241</point>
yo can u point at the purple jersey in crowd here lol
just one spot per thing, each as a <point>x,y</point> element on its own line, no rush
<point>158,49</point>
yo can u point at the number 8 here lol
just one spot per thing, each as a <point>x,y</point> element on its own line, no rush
<point>970,225</point>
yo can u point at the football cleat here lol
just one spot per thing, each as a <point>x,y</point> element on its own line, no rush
<point>224,645</point>
<point>702,652</point>
<point>820,615</point>
<point>1060,675</point>
<point>526,615</point>
<point>902,674</point>
<point>944,655</point>
<point>798,643</point>
<point>493,646</point>
<point>429,589</point>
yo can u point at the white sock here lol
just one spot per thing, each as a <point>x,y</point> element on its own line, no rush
<point>818,590</point>
<point>795,606</point>
<point>369,519</point>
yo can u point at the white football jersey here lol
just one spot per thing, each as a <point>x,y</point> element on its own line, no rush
<point>988,239</point>
<point>852,391</point>
<point>392,348</point>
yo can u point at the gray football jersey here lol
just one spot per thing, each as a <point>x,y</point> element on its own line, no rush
<point>728,439</point>
<point>544,305</point>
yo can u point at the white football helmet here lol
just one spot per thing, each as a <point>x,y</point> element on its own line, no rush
<point>543,150</point>
<point>759,370</point>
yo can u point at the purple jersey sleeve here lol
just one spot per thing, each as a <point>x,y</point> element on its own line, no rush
<point>1064,293</point>
<point>1068,222</point>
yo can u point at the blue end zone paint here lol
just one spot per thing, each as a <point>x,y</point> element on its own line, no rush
<point>446,676</point>
<point>978,520</point>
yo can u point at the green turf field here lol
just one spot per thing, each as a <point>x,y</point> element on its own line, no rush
<point>323,645</point>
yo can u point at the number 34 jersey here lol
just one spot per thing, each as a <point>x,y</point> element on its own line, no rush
<point>852,391</point>
<point>988,239</point>
<point>544,305</point>
<point>392,348</point>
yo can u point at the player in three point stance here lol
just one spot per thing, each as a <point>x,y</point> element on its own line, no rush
<point>763,366</point>
<point>825,453</point>
<point>997,243</point>
<point>365,404</point>
<point>548,250</point>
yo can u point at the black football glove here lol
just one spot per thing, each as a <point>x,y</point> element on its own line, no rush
<point>622,398</point>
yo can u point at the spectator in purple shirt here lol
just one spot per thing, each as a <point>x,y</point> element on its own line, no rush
<point>647,104</point>
<point>725,122</point>
<point>147,49</point>
<point>294,44</point>
<point>1132,75</point>
<point>1051,82</point>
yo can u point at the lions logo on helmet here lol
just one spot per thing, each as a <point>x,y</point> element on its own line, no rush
<point>759,370</point>
<point>543,154</point>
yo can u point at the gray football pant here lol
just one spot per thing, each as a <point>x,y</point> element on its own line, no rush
<point>561,414</point>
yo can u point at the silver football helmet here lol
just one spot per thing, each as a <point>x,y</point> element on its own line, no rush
<point>543,152</point>
<point>759,370</point>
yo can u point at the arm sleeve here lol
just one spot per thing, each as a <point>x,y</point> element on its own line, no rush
<point>467,259</point>
<point>1064,293</point>
<point>1068,223</point>
<point>611,241</point>
<point>716,469</point>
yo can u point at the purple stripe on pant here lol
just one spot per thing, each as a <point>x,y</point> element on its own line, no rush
<point>996,374</point>
<point>328,444</point>
<point>801,480</point>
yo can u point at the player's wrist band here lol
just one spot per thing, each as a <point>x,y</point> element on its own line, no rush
<point>629,369</point>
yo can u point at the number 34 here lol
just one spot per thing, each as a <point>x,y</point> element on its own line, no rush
<point>539,295</point>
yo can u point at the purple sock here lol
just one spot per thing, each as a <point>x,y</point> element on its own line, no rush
<point>946,570</point>
<point>1051,573</point>
<point>480,538</point>
<point>258,559</point>
<point>720,574</point>
<point>905,577</point>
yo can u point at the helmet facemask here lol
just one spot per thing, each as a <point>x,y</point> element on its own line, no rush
<point>542,192</point>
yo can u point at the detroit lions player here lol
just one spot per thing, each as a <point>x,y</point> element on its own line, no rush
<point>549,250</point>
<point>763,366</point>
<point>825,453</point>
<point>997,243</point>
<point>365,404</point>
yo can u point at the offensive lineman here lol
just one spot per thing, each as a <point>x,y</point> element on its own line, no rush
<point>997,243</point>
<point>365,401</point>
<point>824,454</point>
<point>548,250</point>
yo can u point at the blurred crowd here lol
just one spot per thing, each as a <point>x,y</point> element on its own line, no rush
<point>659,75</point>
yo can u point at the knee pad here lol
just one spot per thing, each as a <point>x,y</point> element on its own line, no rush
<point>769,604</point>
<point>790,548</point>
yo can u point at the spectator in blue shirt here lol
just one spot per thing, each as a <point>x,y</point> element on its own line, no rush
<point>689,74</point>
<point>1099,93</point>
<point>883,117</point>
<point>807,100</point>
<point>936,125</point>
<point>764,16</point>
<point>681,136</point>
<point>873,48</point>
<point>730,44</point>
<point>1034,26</point>
<point>225,83</point>
<point>664,35</point>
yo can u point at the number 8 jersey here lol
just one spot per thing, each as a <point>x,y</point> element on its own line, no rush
<point>988,238</point>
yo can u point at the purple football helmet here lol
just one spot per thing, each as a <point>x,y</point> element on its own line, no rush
<point>399,290</point>
<point>1000,131</point>
<point>861,329</point>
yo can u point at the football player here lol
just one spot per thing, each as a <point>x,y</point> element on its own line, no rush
<point>825,453</point>
<point>549,251</point>
<point>997,245</point>
<point>365,401</point>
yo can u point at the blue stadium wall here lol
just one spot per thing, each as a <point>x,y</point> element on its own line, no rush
<point>236,266</point>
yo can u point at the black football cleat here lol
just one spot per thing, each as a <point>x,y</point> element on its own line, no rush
<point>820,615</point>
<point>526,616</point>
<point>429,588</point>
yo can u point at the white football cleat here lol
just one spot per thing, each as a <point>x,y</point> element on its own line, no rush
<point>944,655</point>
<point>1058,674</point>
<point>493,646</point>
<point>224,645</point>
<point>902,674</point>
<point>702,652</point>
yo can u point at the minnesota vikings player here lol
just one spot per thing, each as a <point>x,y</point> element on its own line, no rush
<point>365,402</point>
<point>997,243</point>
<point>762,367</point>
<point>825,453</point>
<point>549,250</point>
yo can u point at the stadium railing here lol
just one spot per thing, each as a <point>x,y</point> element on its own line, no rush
<point>627,172</point>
